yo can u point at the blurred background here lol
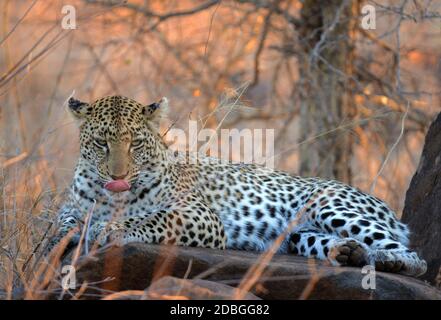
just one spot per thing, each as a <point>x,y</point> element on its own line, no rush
<point>348,99</point>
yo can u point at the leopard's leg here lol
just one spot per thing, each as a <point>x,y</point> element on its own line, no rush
<point>68,219</point>
<point>313,243</point>
<point>183,226</point>
<point>381,232</point>
<point>392,256</point>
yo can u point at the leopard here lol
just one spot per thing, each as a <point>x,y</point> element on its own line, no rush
<point>130,186</point>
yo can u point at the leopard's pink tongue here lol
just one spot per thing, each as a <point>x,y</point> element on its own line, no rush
<point>117,186</point>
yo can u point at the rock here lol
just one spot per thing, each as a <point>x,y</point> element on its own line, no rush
<point>171,288</point>
<point>422,210</point>
<point>195,289</point>
<point>136,266</point>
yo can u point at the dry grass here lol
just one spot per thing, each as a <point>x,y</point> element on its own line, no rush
<point>124,50</point>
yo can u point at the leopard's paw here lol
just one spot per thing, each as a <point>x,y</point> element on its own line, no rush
<point>348,252</point>
<point>104,233</point>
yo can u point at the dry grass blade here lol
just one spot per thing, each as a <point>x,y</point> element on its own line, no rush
<point>125,294</point>
<point>14,160</point>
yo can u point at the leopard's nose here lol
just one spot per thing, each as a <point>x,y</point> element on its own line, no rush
<point>119,177</point>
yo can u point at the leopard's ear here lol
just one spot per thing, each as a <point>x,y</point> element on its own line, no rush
<point>78,108</point>
<point>156,111</point>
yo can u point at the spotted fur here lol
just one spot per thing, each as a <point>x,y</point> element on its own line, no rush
<point>201,201</point>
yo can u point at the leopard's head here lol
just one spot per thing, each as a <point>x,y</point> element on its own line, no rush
<point>118,136</point>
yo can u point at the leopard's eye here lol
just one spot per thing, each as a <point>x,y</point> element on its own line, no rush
<point>100,142</point>
<point>137,143</point>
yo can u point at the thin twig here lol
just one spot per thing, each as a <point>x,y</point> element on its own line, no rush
<point>403,120</point>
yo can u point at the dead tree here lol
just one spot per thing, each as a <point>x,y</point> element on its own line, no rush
<point>326,31</point>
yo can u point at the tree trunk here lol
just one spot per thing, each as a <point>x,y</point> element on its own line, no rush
<point>326,36</point>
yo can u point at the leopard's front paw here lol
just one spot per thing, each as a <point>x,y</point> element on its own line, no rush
<point>63,241</point>
<point>107,233</point>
